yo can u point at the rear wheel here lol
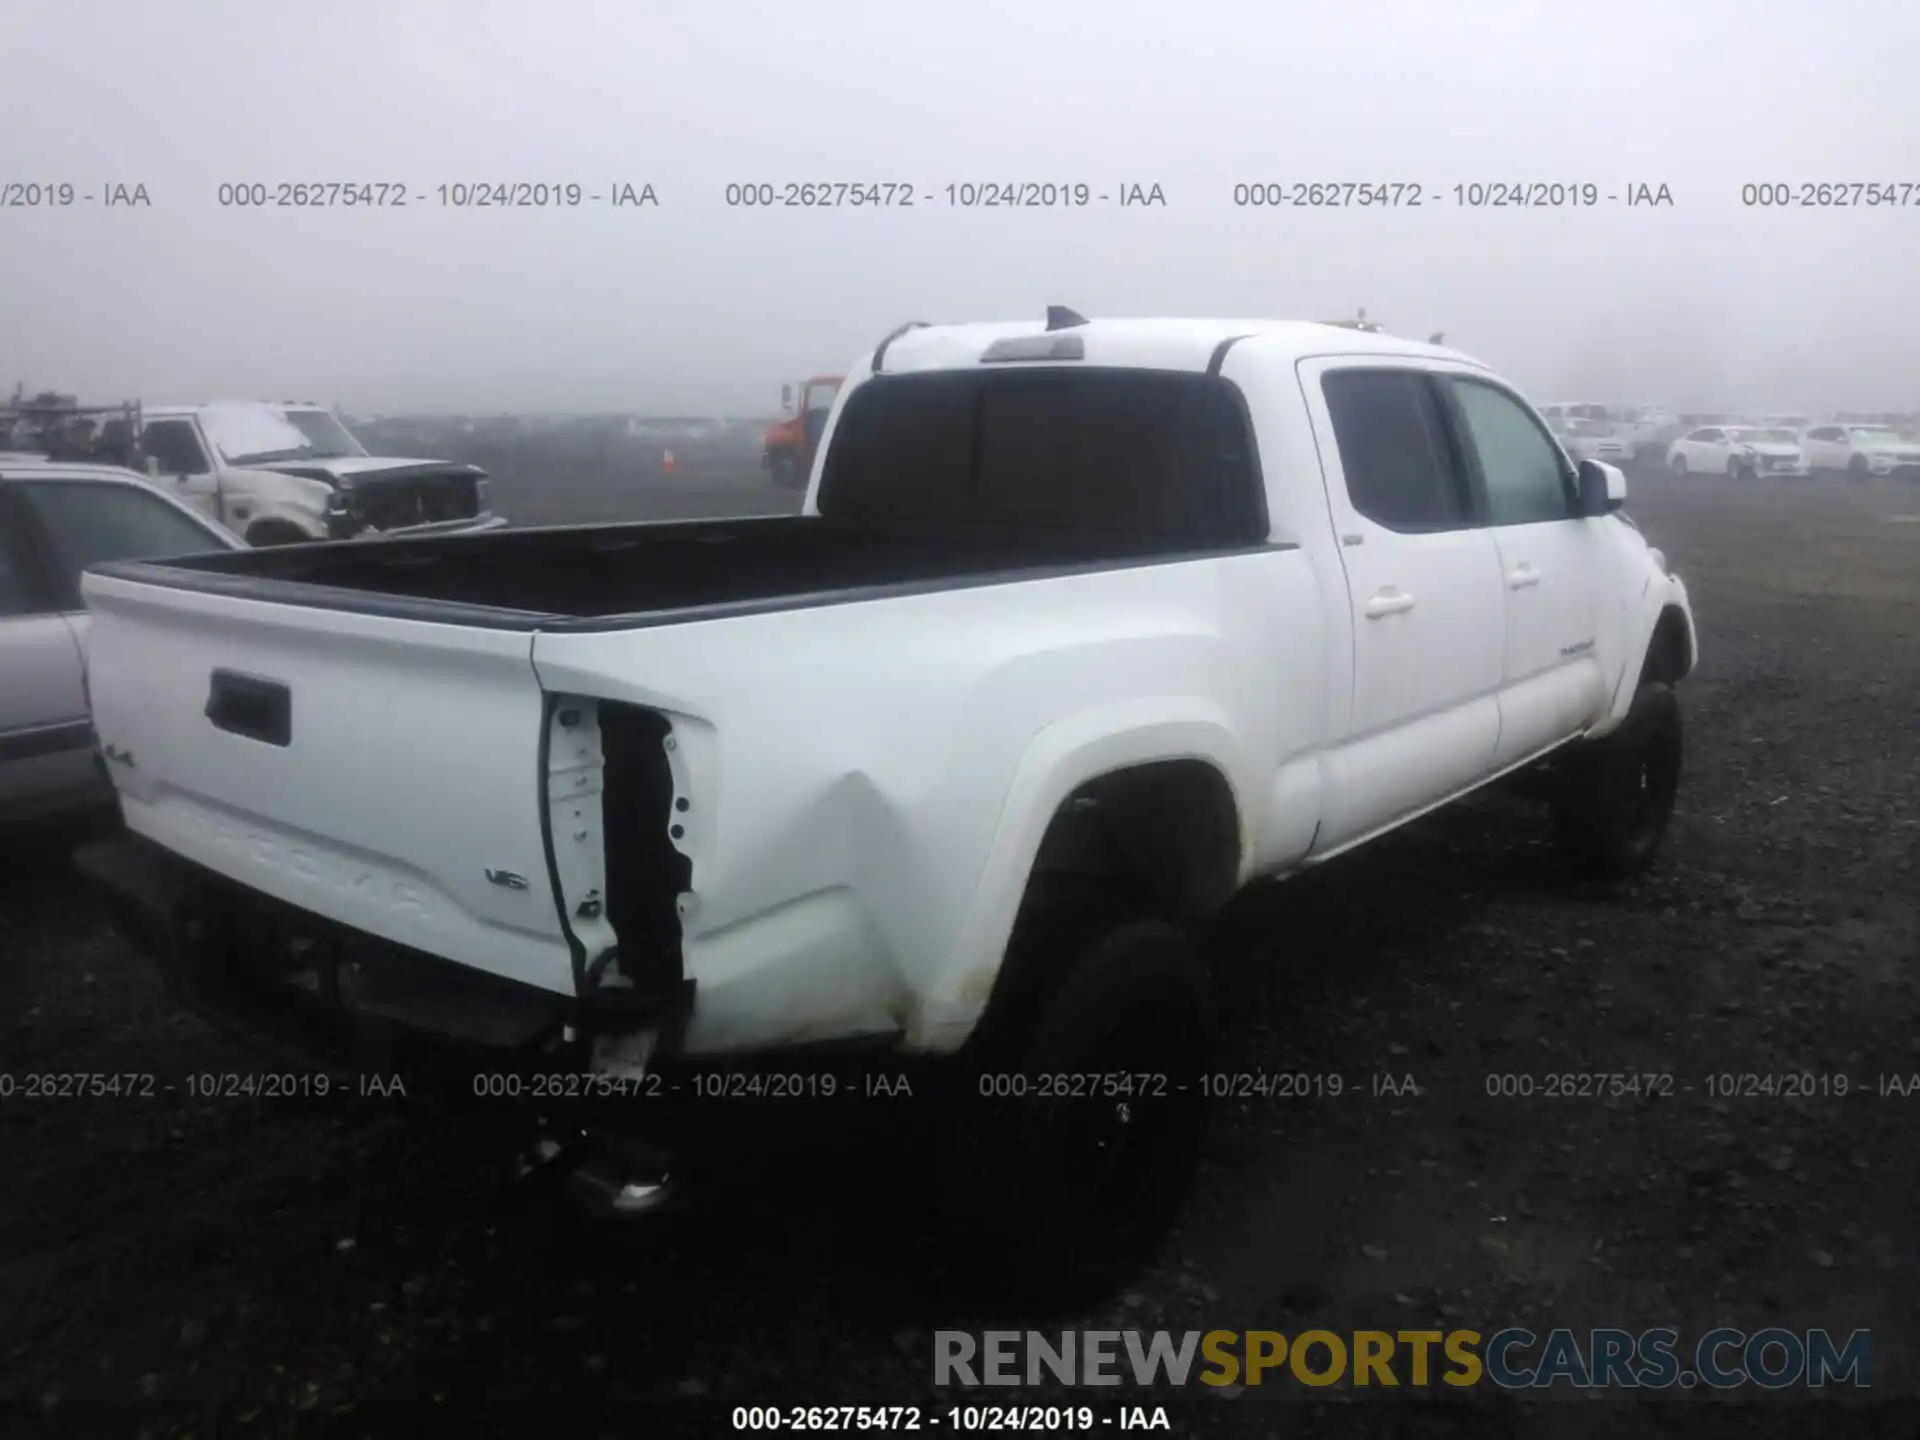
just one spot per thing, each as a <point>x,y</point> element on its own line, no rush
<point>1617,793</point>
<point>1678,464</point>
<point>785,471</point>
<point>1857,467</point>
<point>1084,1131</point>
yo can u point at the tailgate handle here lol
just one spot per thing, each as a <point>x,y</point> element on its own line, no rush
<point>247,705</point>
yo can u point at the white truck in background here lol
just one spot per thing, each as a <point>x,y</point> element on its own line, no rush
<point>277,474</point>
<point>1083,628</point>
<point>1591,440</point>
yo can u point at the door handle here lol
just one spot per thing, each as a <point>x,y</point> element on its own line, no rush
<point>1388,602</point>
<point>1521,577</point>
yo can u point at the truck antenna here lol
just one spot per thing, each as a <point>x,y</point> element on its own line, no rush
<point>1059,317</point>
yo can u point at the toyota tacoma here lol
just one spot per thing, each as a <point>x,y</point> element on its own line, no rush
<point>1083,627</point>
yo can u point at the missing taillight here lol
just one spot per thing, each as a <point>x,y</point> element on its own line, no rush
<point>646,874</point>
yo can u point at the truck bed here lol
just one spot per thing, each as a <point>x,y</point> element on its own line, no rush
<point>635,573</point>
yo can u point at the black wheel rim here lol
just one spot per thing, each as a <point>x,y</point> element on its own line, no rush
<point>1652,782</point>
<point>1122,1152</point>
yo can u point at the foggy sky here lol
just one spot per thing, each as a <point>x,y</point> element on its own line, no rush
<point>693,307</point>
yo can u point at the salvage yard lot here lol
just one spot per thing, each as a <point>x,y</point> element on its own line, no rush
<point>178,1258</point>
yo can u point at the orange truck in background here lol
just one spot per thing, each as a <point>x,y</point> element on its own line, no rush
<point>791,439</point>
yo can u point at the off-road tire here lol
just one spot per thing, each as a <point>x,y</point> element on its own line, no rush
<point>1616,795</point>
<point>1858,468</point>
<point>1083,1129</point>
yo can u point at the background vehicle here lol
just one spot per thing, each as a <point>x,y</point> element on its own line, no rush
<point>1592,440</point>
<point>1741,451</point>
<point>1081,629</point>
<point>246,465</point>
<point>1640,429</point>
<point>1861,450</point>
<point>1767,450</point>
<point>1560,410</point>
<point>55,426</point>
<point>1648,431</point>
<point>790,443</point>
<point>55,520</point>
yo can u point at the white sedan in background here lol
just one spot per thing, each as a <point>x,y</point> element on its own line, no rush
<point>1744,452</point>
<point>1862,450</point>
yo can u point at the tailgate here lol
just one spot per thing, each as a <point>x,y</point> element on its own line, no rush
<point>383,772</point>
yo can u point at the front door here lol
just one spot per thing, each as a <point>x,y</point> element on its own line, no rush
<point>1423,580</point>
<point>1552,686</point>
<point>185,470</point>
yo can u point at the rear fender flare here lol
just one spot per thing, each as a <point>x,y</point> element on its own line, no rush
<point>1062,758</point>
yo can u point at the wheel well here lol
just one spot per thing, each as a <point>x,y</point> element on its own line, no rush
<point>1169,831</point>
<point>275,532</point>
<point>1159,841</point>
<point>1669,652</point>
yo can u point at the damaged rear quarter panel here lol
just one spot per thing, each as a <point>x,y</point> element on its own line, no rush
<point>850,768</point>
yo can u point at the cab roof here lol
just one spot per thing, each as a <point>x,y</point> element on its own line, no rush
<point>1148,344</point>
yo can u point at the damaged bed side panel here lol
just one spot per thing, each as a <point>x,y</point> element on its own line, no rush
<point>835,781</point>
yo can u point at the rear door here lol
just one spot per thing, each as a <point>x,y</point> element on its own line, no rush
<point>1550,561</point>
<point>1423,579</point>
<point>1825,448</point>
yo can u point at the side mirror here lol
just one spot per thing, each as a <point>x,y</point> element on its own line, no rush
<point>786,397</point>
<point>1603,488</point>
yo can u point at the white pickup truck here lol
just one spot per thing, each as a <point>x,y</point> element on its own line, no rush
<point>281,475</point>
<point>1083,628</point>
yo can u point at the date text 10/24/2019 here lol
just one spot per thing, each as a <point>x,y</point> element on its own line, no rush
<point>199,1085</point>
<point>58,193</point>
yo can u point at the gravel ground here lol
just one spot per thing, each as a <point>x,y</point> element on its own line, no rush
<point>173,1265</point>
